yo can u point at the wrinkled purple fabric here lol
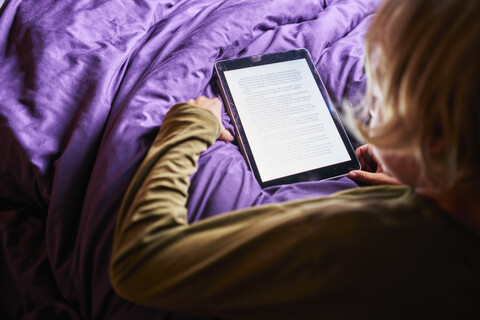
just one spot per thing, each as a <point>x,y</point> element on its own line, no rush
<point>84,86</point>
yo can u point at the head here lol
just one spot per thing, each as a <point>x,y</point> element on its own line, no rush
<point>423,88</point>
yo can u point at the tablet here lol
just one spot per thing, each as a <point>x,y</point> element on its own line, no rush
<point>285,123</point>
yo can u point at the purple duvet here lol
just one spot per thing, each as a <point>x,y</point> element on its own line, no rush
<point>84,86</point>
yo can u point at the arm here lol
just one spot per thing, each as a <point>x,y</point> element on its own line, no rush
<point>234,265</point>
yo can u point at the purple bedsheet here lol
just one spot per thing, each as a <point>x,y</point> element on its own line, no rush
<point>84,86</point>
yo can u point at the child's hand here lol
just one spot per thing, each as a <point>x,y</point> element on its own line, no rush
<point>372,171</point>
<point>215,106</point>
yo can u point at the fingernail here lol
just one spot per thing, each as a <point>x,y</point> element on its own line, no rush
<point>352,175</point>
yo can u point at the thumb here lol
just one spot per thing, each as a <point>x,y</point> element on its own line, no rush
<point>225,135</point>
<point>377,178</point>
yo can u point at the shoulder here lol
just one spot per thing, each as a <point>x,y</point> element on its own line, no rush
<point>370,205</point>
<point>391,246</point>
<point>379,221</point>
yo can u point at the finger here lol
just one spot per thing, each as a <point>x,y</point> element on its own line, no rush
<point>360,150</point>
<point>373,178</point>
<point>225,135</point>
<point>201,98</point>
<point>217,103</point>
<point>201,101</point>
<point>362,154</point>
<point>367,158</point>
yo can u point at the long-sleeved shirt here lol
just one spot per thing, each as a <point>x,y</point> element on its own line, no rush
<point>377,252</point>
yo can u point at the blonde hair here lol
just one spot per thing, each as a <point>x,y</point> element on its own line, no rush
<point>423,70</point>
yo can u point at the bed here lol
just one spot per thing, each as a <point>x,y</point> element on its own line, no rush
<point>84,86</point>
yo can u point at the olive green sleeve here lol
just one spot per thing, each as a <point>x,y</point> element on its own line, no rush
<point>226,266</point>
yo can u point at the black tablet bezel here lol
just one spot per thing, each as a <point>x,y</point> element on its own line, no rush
<point>329,172</point>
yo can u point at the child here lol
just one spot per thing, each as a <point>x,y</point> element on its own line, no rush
<point>378,252</point>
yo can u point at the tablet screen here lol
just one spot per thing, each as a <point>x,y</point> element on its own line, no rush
<point>285,122</point>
